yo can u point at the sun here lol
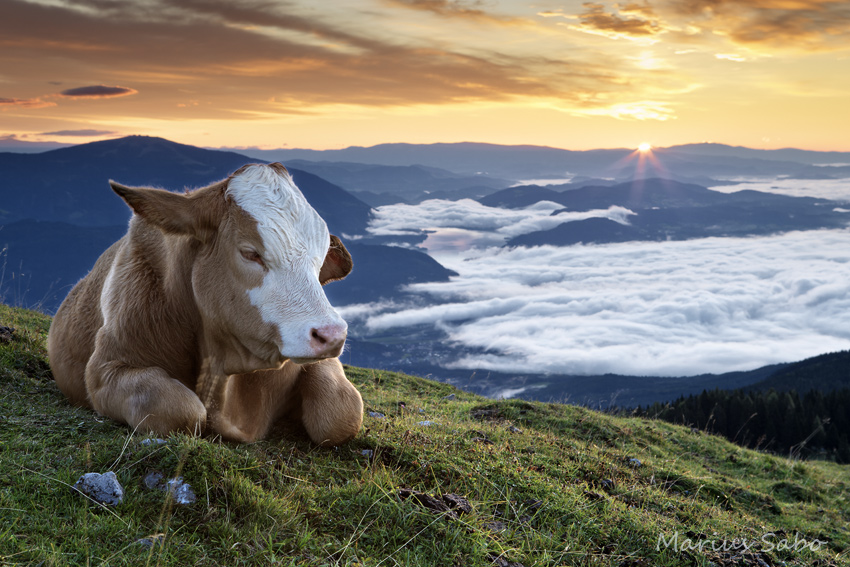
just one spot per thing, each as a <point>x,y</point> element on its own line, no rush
<point>645,147</point>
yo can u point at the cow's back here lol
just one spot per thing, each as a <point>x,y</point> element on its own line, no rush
<point>70,342</point>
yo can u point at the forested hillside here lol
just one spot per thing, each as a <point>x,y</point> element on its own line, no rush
<point>812,425</point>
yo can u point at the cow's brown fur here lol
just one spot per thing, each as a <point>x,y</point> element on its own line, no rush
<point>165,361</point>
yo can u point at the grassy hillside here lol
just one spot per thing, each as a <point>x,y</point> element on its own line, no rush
<point>545,484</point>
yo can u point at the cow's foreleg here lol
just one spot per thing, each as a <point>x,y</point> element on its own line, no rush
<point>331,407</point>
<point>144,398</point>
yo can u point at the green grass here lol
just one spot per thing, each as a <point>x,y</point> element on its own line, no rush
<point>549,484</point>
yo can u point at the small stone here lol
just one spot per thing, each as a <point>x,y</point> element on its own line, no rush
<point>450,397</point>
<point>635,463</point>
<point>499,561</point>
<point>368,453</point>
<point>151,540</point>
<point>153,480</point>
<point>6,334</point>
<point>376,414</point>
<point>457,503</point>
<point>496,526</point>
<point>102,488</point>
<point>513,429</point>
<point>427,423</point>
<point>181,491</point>
<point>427,501</point>
<point>153,442</point>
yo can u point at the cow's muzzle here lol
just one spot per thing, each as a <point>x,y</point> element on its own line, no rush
<point>327,341</point>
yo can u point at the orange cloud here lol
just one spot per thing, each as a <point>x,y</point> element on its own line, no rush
<point>87,132</point>
<point>631,21</point>
<point>25,103</point>
<point>801,25</point>
<point>807,25</point>
<point>261,51</point>
<point>454,8</point>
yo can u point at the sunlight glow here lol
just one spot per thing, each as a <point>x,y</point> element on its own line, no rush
<point>645,147</point>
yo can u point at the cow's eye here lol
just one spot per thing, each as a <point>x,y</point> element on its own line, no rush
<point>253,256</point>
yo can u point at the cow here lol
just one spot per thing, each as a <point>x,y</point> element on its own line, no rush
<point>209,316</point>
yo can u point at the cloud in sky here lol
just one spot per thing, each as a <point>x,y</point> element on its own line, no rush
<point>455,9</point>
<point>428,70</point>
<point>98,91</point>
<point>629,21</point>
<point>646,308</point>
<point>801,25</point>
<point>79,133</point>
<point>257,45</point>
<point>24,103</point>
<point>791,25</point>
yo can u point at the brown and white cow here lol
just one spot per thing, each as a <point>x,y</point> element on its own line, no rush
<point>209,315</point>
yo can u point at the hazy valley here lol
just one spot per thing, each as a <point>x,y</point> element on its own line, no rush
<point>617,277</point>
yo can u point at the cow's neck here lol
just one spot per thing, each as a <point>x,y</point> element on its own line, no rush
<point>222,355</point>
<point>214,383</point>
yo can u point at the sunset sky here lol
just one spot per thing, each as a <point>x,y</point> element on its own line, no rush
<point>331,74</point>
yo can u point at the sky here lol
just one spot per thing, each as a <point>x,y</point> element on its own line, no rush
<point>305,74</point>
<point>676,308</point>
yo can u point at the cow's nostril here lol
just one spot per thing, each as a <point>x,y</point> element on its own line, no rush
<point>328,340</point>
<point>318,337</point>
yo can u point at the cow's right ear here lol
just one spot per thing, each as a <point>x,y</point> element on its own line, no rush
<point>173,213</point>
<point>337,263</point>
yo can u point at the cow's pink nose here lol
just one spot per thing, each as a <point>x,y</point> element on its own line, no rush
<point>328,341</point>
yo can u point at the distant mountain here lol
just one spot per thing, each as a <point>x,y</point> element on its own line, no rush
<point>12,144</point>
<point>409,183</point>
<point>57,215</point>
<point>520,196</point>
<point>826,372</point>
<point>714,161</point>
<point>40,261</point>
<point>70,184</point>
<point>785,154</point>
<point>669,210</point>
<point>380,271</point>
<point>511,162</point>
<point>586,231</point>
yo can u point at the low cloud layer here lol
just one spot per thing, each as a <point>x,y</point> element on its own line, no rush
<point>467,223</point>
<point>644,308</point>
<point>833,189</point>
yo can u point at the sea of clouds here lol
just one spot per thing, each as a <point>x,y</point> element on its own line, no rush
<point>466,223</point>
<point>641,308</point>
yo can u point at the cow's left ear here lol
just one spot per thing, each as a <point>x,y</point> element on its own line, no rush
<point>196,214</point>
<point>337,264</point>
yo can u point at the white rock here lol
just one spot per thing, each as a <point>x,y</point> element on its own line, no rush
<point>103,488</point>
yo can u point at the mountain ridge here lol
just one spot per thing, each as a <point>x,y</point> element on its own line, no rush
<point>534,162</point>
<point>51,233</point>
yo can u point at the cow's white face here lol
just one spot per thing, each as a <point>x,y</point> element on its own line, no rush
<point>261,255</point>
<point>284,260</point>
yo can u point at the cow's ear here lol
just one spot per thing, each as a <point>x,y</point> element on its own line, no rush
<point>337,264</point>
<point>174,213</point>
